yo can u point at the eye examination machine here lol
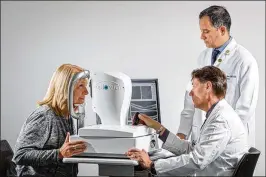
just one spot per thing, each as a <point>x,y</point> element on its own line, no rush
<point>107,142</point>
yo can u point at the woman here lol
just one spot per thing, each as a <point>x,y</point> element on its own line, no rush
<point>44,138</point>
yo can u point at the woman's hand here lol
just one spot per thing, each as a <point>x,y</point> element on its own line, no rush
<point>71,148</point>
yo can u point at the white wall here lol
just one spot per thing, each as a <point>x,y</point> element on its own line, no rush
<point>142,39</point>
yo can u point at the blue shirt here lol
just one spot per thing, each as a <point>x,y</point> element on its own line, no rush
<point>224,45</point>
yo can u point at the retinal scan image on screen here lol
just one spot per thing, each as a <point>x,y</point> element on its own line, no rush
<point>145,99</point>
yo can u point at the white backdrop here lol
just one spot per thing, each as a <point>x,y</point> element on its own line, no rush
<point>142,39</point>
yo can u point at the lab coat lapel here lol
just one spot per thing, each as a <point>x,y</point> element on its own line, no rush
<point>223,57</point>
<point>213,114</point>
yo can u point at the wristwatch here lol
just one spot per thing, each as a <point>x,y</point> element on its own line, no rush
<point>160,130</point>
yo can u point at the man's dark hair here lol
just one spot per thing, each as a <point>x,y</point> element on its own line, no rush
<point>218,15</point>
<point>213,74</point>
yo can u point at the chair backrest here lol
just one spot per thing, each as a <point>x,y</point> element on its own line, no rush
<point>247,164</point>
<point>5,157</point>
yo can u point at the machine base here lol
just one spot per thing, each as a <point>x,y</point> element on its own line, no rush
<point>106,145</point>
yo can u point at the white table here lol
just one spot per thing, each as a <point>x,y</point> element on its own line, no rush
<point>111,166</point>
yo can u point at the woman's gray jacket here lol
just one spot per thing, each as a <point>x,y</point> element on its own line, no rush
<point>37,146</point>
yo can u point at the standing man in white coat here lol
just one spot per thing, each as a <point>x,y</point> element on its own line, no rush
<point>239,66</point>
<point>222,141</point>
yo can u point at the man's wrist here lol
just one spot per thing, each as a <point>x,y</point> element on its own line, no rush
<point>156,126</point>
<point>160,130</point>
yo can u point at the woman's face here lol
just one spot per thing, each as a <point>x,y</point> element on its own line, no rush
<point>80,91</point>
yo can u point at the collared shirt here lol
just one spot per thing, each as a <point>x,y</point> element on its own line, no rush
<point>210,110</point>
<point>224,45</point>
<point>217,51</point>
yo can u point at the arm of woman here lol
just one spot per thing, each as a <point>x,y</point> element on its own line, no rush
<point>29,149</point>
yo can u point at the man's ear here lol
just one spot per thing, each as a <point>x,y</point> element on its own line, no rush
<point>223,30</point>
<point>208,86</point>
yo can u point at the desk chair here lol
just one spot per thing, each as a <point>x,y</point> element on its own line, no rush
<point>247,164</point>
<point>7,167</point>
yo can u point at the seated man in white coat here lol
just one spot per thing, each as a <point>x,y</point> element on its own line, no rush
<point>222,141</point>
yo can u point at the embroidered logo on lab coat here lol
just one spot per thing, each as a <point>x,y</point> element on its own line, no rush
<point>229,77</point>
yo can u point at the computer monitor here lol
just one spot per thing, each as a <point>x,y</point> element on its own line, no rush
<point>145,99</point>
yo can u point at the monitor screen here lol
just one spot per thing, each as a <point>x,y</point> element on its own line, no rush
<point>145,99</point>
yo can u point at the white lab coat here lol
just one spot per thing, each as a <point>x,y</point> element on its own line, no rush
<point>242,74</point>
<point>219,148</point>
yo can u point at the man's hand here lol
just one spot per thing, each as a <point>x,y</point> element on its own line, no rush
<point>181,136</point>
<point>71,148</point>
<point>141,156</point>
<point>150,122</point>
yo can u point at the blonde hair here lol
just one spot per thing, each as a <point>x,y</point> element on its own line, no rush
<point>57,94</point>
